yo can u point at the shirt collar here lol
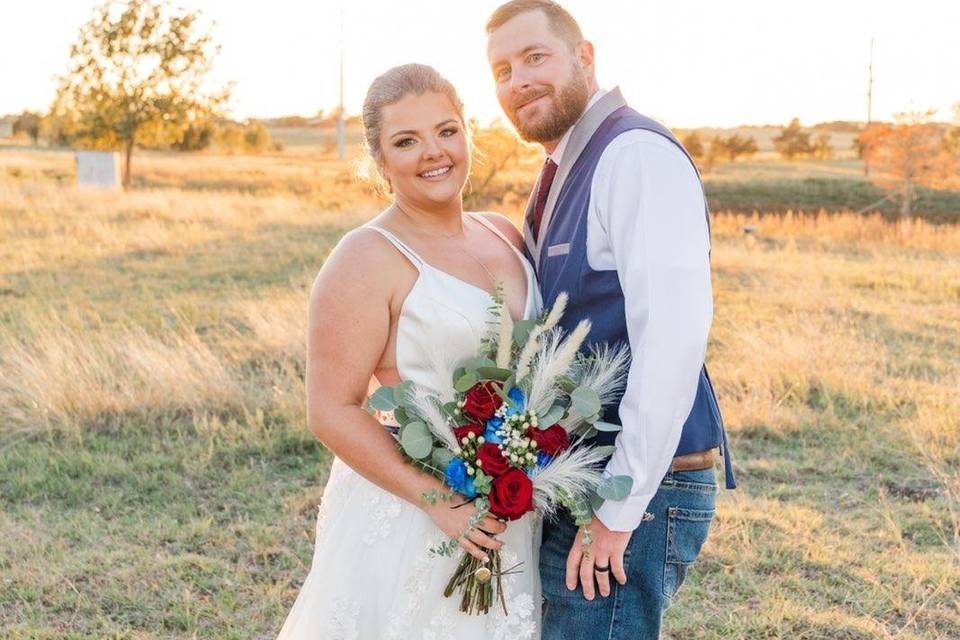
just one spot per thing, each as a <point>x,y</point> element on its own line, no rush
<point>557,154</point>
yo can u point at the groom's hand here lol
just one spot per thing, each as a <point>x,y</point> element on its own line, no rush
<point>606,550</point>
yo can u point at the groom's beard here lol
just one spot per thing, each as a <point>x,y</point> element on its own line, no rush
<point>569,105</point>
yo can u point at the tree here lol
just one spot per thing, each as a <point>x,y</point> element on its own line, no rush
<point>694,145</point>
<point>821,148</point>
<point>496,151</point>
<point>229,136</point>
<point>256,137</point>
<point>907,154</point>
<point>736,145</point>
<point>728,148</point>
<point>137,75</point>
<point>196,137</point>
<point>28,123</point>
<point>714,152</point>
<point>793,141</point>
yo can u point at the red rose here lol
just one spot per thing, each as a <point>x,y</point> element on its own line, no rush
<point>551,441</point>
<point>482,400</point>
<point>511,495</point>
<point>492,461</point>
<point>462,432</point>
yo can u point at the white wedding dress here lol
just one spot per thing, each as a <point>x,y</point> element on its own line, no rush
<point>373,577</point>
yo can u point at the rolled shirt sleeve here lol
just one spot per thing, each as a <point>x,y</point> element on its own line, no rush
<point>647,221</point>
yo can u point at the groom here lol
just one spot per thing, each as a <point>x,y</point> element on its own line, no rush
<point>618,220</point>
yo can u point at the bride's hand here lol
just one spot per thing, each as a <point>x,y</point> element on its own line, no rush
<point>454,521</point>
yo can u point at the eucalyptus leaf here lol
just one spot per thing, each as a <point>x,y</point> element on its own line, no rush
<point>494,373</point>
<point>607,427</point>
<point>567,384</point>
<point>473,364</point>
<point>401,415</point>
<point>450,409</point>
<point>551,417</point>
<point>458,373</point>
<point>591,420</point>
<point>416,440</point>
<point>403,393</point>
<point>578,506</point>
<point>606,450</point>
<point>615,487</point>
<point>595,500</point>
<point>466,381</point>
<point>521,331</point>
<point>441,457</point>
<point>382,399</point>
<point>585,401</point>
<point>589,433</point>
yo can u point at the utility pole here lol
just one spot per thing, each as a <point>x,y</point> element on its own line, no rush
<point>866,156</point>
<point>870,86</point>
<point>340,125</point>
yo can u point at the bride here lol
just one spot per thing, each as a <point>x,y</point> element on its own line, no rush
<point>413,283</point>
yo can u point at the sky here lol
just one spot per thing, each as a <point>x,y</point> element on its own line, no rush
<point>688,63</point>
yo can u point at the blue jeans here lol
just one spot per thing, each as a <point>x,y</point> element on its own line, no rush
<point>656,562</point>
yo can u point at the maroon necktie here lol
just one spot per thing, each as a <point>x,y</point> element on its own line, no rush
<point>546,179</point>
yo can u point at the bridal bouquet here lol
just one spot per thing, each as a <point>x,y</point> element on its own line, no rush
<point>507,434</point>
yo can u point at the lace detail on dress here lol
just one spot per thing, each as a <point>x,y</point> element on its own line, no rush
<point>442,624</point>
<point>334,495</point>
<point>342,624</point>
<point>384,508</point>
<point>414,591</point>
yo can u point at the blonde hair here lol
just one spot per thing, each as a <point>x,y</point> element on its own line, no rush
<point>389,88</point>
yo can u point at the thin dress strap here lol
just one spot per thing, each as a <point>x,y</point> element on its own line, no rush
<point>492,227</point>
<point>524,263</point>
<point>401,247</point>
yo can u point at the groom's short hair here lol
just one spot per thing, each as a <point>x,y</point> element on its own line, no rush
<point>561,22</point>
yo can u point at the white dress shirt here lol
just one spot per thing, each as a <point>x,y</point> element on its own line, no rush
<point>646,221</point>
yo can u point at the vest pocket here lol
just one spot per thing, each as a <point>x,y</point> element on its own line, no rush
<point>686,532</point>
<point>558,250</point>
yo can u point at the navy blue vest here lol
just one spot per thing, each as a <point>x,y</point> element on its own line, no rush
<point>597,296</point>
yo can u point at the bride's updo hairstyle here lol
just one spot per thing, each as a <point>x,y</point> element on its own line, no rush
<point>389,88</point>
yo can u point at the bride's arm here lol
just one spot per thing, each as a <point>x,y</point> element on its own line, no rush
<point>348,329</point>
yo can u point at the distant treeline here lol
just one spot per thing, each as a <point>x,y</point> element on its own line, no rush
<point>322,120</point>
<point>250,136</point>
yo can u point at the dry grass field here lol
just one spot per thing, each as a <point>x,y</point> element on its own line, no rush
<point>157,479</point>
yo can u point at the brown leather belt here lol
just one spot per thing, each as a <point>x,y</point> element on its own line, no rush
<point>695,461</point>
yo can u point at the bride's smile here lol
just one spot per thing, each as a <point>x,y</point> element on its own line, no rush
<point>437,174</point>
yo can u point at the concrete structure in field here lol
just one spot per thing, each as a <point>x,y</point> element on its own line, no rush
<point>98,169</point>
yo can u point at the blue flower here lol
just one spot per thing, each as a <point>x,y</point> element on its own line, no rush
<point>543,459</point>
<point>490,434</point>
<point>517,401</point>
<point>457,478</point>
